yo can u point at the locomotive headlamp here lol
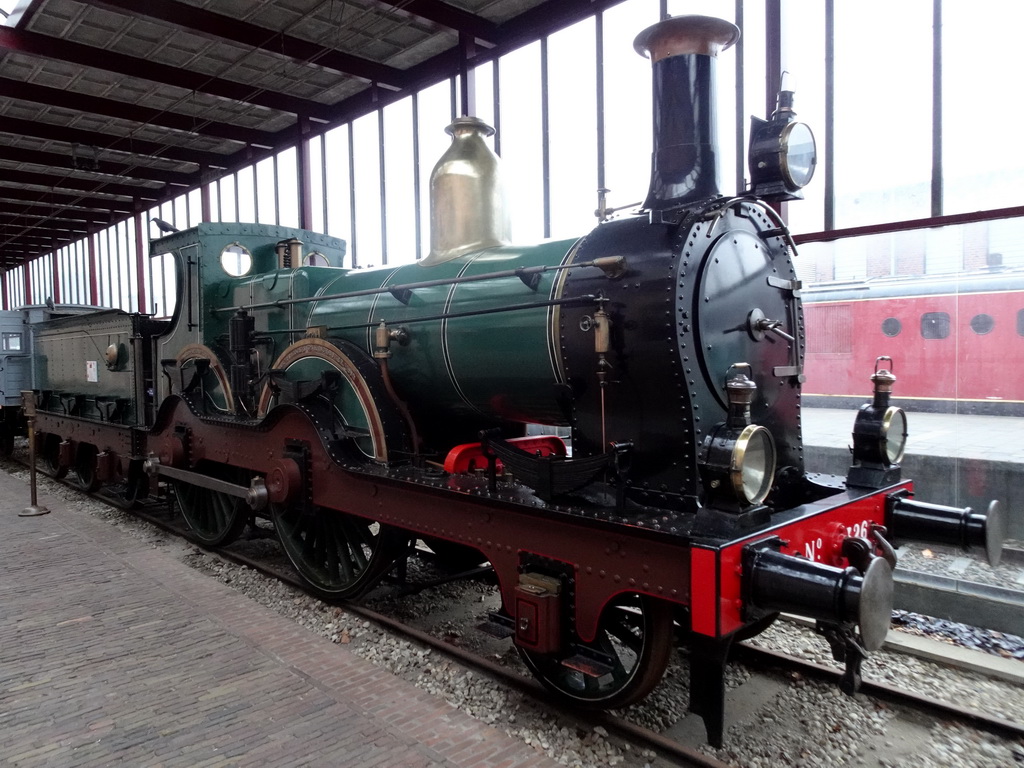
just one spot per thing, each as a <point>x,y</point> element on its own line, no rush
<point>893,436</point>
<point>738,467</point>
<point>753,464</point>
<point>879,434</point>
<point>739,460</point>
<point>782,154</point>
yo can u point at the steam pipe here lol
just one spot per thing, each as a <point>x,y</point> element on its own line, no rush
<point>612,266</point>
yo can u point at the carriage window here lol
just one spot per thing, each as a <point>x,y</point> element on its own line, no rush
<point>982,324</point>
<point>12,342</point>
<point>891,326</point>
<point>1020,322</point>
<point>236,259</point>
<point>935,325</point>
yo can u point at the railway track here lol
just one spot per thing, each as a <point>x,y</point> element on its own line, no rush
<point>767,658</point>
<point>672,744</point>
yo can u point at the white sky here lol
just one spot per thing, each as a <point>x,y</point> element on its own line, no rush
<point>6,6</point>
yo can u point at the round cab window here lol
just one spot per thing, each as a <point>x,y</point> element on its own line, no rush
<point>316,259</point>
<point>236,260</point>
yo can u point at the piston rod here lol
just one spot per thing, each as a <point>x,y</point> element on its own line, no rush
<point>255,495</point>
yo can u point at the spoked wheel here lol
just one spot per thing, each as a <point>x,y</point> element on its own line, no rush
<point>85,467</point>
<point>215,518</point>
<point>624,662</point>
<point>136,484</point>
<point>51,456</point>
<point>340,555</point>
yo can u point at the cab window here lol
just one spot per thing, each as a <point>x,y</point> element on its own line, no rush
<point>11,342</point>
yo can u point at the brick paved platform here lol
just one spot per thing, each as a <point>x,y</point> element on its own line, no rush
<point>112,652</point>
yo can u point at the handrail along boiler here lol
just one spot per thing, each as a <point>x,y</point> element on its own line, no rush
<point>360,409</point>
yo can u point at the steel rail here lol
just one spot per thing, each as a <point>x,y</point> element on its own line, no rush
<point>765,658</point>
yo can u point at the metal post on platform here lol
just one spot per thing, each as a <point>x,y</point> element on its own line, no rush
<point>28,403</point>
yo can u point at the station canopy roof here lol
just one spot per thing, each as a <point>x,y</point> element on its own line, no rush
<point>108,107</point>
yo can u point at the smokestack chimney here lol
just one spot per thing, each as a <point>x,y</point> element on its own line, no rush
<point>683,51</point>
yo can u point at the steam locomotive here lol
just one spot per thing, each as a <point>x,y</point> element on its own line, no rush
<point>360,409</point>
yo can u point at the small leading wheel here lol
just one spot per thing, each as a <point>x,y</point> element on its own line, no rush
<point>628,656</point>
<point>136,483</point>
<point>50,452</point>
<point>340,555</point>
<point>214,518</point>
<point>85,467</point>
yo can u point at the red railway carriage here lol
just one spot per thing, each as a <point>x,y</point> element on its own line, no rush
<point>954,340</point>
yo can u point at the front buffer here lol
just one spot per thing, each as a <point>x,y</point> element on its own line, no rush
<point>827,560</point>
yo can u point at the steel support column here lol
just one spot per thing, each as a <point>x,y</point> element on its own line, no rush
<point>205,206</point>
<point>467,75</point>
<point>26,272</point>
<point>277,190</point>
<point>354,245</point>
<point>937,189</point>
<point>305,181</point>
<point>773,68</point>
<point>113,264</point>
<point>496,82</point>
<point>599,102</point>
<point>140,263</point>
<point>418,208</point>
<point>382,170</point>
<point>55,268</point>
<point>545,136</point>
<point>830,114</point>
<point>93,282</point>
<point>741,143</point>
